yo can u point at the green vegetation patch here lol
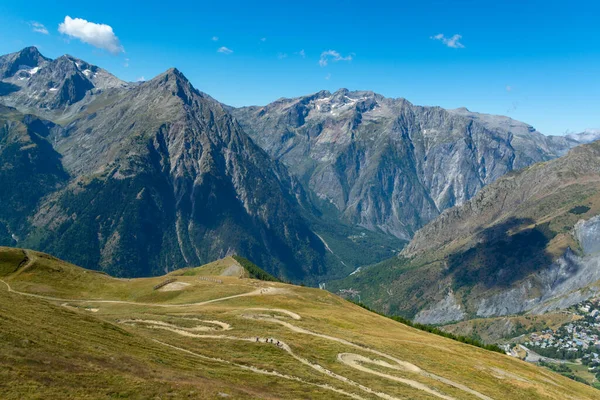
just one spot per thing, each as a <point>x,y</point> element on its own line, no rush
<point>10,259</point>
<point>255,271</point>
<point>564,370</point>
<point>578,210</point>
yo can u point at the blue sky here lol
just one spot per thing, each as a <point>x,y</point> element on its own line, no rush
<point>536,61</point>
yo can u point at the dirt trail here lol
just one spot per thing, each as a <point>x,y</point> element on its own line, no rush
<point>282,345</point>
<point>406,366</point>
<point>257,292</point>
<point>265,372</point>
<point>199,328</point>
<point>353,360</point>
<point>356,361</point>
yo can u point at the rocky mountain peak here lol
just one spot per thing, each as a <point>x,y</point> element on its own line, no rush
<point>31,81</point>
<point>175,81</point>
<point>172,74</point>
<point>29,59</point>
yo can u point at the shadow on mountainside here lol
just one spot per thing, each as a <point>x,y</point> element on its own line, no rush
<point>502,257</point>
<point>8,88</point>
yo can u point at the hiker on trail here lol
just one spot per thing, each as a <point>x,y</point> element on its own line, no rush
<point>257,340</point>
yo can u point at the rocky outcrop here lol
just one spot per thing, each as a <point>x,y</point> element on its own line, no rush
<point>445,311</point>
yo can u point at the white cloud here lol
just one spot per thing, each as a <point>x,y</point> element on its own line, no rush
<point>281,56</point>
<point>332,55</point>
<point>453,42</point>
<point>98,35</point>
<point>126,63</point>
<point>263,39</point>
<point>224,50</point>
<point>141,79</point>
<point>327,77</point>
<point>302,53</point>
<point>215,38</point>
<point>40,28</point>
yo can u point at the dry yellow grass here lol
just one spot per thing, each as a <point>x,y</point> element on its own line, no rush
<point>93,336</point>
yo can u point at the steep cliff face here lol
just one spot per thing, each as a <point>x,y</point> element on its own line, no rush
<point>525,243</point>
<point>386,164</point>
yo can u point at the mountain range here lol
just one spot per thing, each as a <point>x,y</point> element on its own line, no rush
<point>147,177</point>
<point>477,223</point>
<point>138,179</point>
<point>388,165</point>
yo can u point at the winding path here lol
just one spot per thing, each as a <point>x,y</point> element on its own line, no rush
<point>399,364</point>
<point>355,361</point>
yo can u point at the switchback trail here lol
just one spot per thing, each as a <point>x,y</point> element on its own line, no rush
<point>399,364</point>
<point>353,360</point>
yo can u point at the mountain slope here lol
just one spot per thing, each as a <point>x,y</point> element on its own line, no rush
<point>140,179</point>
<point>386,164</point>
<point>524,243</point>
<point>166,178</point>
<point>29,170</point>
<point>76,333</point>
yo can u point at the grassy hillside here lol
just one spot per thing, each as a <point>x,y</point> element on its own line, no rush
<point>229,266</point>
<point>73,333</point>
<point>500,329</point>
